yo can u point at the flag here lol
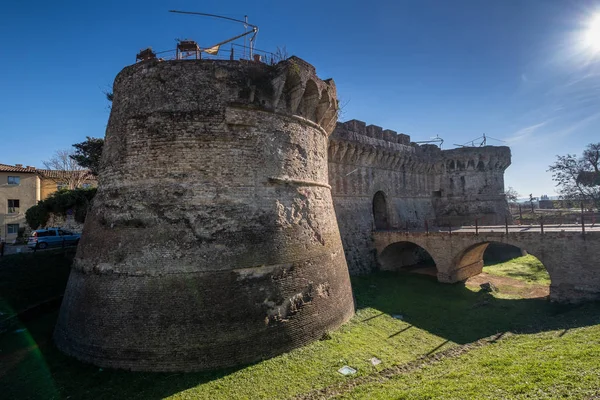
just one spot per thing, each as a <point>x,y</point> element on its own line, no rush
<point>212,50</point>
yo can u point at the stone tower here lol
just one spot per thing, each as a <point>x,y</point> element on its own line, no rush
<point>212,241</point>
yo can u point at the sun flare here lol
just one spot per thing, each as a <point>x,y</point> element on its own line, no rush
<point>591,37</point>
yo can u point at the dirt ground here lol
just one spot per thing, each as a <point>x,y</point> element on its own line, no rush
<point>504,284</point>
<point>511,286</point>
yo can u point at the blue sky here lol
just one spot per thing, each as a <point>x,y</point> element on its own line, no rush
<point>516,70</point>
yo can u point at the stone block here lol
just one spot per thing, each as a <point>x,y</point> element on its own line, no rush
<point>356,126</point>
<point>403,139</point>
<point>375,131</point>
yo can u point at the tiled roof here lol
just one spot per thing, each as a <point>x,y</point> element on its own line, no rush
<point>55,174</point>
<point>44,173</point>
<point>16,168</point>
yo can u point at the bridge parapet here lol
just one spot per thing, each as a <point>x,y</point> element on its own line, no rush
<point>570,257</point>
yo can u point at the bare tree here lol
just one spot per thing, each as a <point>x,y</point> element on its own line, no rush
<point>578,178</point>
<point>280,54</point>
<point>511,195</point>
<point>65,171</point>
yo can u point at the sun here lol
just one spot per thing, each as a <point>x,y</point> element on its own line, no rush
<point>591,35</point>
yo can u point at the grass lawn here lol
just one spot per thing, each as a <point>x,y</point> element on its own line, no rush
<point>548,365</point>
<point>527,269</point>
<point>435,318</point>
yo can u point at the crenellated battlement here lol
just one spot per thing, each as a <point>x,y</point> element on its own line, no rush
<point>487,158</point>
<point>291,88</point>
<point>355,142</point>
<point>360,128</point>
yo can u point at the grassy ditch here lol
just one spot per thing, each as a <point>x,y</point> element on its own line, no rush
<point>402,319</point>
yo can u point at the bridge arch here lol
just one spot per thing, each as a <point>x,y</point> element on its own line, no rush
<point>406,255</point>
<point>470,261</point>
<point>569,257</point>
<point>381,215</point>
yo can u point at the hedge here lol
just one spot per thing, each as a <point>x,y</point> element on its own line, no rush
<point>77,200</point>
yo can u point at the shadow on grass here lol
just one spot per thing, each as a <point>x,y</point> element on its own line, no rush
<point>31,278</point>
<point>31,367</point>
<point>461,315</point>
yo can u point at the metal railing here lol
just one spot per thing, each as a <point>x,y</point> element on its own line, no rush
<point>585,221</point>
<point>233,52</point>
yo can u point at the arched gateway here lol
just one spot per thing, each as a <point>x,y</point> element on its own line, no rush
<point>380,213</point>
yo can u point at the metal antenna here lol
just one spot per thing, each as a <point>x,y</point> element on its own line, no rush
<point>498,140</point>
<point>483,142</point>
<point>245,22</point>
<point>434,139</point>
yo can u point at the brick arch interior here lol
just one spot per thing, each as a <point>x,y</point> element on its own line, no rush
<point>404,254</point>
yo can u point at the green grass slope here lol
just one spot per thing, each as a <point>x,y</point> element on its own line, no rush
<point>547,365</point>
<point>527,269</point>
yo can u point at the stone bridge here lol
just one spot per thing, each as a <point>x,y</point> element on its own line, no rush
<point>569,255</point>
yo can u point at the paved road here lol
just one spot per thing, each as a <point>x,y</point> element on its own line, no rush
<point>12,249</point>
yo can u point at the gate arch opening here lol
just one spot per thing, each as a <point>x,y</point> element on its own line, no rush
<point>407,257</point>
<point>380,212</point>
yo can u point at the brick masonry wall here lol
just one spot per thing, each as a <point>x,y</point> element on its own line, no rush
<point>212,241</point>
<point>420,183</point>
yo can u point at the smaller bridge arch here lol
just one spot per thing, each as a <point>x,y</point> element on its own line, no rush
<point>405,255</point>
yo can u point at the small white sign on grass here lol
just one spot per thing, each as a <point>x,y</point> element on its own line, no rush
<point>346,370</point>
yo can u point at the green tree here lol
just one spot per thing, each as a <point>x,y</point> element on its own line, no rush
<point>87,154</point>
<point>578,178</point>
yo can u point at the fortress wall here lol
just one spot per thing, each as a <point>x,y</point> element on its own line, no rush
<point>364,160</point>
<point>212,241</point>
<point>420,183</point>
<point>473,186</point>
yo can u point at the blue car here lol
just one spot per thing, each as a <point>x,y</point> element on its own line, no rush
<point>52,237</point>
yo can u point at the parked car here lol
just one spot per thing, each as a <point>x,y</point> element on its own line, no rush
<point>52,237</point>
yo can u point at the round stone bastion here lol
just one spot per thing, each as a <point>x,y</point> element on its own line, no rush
<point>212,240</point>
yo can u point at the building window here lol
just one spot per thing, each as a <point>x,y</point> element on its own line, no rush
<point>86,185</point>
<point>61,186</point>
<point>14,180</point>
<point>12,229</point>
<point>13,206</point>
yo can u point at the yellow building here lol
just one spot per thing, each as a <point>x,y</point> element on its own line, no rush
<point>22,187</point>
